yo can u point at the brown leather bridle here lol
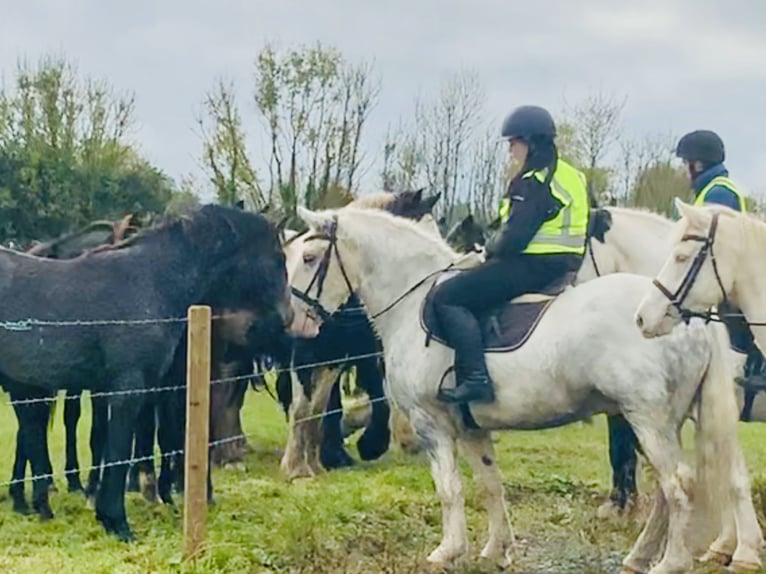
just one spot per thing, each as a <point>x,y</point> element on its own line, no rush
<point>678,297</point>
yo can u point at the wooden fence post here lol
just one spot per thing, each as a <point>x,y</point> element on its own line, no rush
<point>197,431</point>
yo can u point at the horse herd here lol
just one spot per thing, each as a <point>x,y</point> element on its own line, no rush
<point>352,291</point>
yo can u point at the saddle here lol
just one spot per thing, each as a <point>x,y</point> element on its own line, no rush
<point>506,327</point>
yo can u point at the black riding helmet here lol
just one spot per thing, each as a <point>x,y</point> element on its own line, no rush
<point>526,122</point>
<point>701,145</point>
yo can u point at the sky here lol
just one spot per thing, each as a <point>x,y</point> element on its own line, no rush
<point>683,64</point>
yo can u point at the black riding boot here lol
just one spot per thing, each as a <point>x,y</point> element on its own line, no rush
<point>472,382</point>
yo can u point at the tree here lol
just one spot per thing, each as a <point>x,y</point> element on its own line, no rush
<point>591,128</point>
<point>224,150</point>
<point>447,149</point>
<point>314,105</point>
<point>65,155</point>
<point>657,184</point>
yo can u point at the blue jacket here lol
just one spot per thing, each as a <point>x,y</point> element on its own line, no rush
<point>718,193</point>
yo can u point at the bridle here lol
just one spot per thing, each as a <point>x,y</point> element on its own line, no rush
<point>331,236</point>
<point>678,297</point>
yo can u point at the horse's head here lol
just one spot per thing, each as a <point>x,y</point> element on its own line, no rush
<point>699,271</point>
<point>248,285</point>
<point>318,271</point>
<point>466,235</point>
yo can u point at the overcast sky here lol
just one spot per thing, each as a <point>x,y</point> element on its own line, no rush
<point>684,64</point>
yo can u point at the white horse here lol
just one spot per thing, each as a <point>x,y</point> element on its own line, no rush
<point>554,379</point>
<point>301,457</point>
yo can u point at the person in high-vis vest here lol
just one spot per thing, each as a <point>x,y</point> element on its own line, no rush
<point>545,221</point>
<point>703,154</point>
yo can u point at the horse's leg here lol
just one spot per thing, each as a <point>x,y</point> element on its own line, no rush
<point>226,401</point>
<point>323,379</point>
<point>16,488</point>
<point>110,499</point>
<point>740,540</point>
<point>72,412</point>
<point>167,444</point>
<point>98,437</point>
<point>293,463</point>
<point>664,452</point>
<point>446,476</point>
<point>376,437</point>
<point>33,420</point>
<point>478,449</point>
<point>623,458</point>
<point>333,452</point>
<point>144,450</point>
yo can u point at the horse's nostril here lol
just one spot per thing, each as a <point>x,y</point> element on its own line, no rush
<point>639,321</point>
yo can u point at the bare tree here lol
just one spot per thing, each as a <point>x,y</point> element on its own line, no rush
<point>315,105</point>
<point>225,156</point>
<point>637,155</point>
<point>439,146</point>
<point>595,128</point>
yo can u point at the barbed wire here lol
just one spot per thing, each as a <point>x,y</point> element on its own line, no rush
<point>173,388</point>
<point>29,323</point>
<point>161,455</point>
<point>152,457</point>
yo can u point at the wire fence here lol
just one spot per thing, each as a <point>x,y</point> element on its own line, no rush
<point>154,456</point>
<point>31,323</point>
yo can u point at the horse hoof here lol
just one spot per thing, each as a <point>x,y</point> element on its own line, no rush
<point>716,557</point>
<point>90,502</point>
<point>337,458</point>
<point>44,511</point>
<point>75,487</point>
<point>372,447</point>
<point>628,570</point>
<point>740,566</point>
<point>21,507</point>
<point>121,530</point>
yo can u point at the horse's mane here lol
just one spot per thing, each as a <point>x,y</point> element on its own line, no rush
<point>641,212</point>
<point>385,221</point>
<point>375,200</point>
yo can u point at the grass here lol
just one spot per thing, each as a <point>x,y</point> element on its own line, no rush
<point>377,517</point>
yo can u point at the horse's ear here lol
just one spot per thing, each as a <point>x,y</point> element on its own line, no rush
<point>314,219</point>
<point>429,203</point>
<point>467,220</point>
<point>417,195</point>
<point>689,212</point>
<point>282,224</point>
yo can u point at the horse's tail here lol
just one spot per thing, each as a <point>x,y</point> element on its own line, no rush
<point>723,485</point>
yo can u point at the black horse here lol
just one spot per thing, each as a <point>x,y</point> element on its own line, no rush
<point>67,246</point>
<point>347,335</point>
<point>83,334</point>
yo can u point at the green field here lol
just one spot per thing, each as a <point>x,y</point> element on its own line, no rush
<point>377,517</point>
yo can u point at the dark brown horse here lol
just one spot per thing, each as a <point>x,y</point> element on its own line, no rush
<point>216,256</point>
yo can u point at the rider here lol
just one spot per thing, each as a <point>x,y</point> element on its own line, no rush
<point>703,154</point>
<point>545,215</point>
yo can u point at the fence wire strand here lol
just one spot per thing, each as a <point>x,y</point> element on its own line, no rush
<point>101,394</point>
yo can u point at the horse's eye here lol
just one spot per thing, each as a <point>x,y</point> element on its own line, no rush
<point>309,258</point>
<point>681,257</point>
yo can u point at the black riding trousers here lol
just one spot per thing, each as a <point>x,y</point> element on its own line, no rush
<point>460,298</point>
